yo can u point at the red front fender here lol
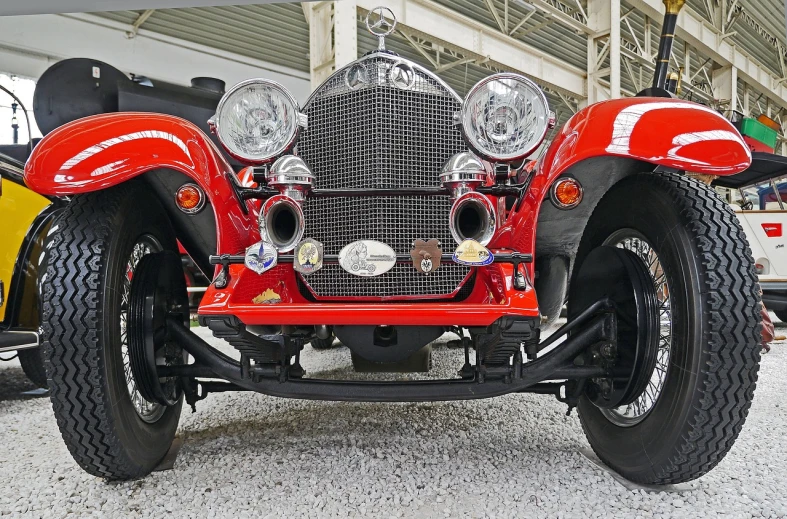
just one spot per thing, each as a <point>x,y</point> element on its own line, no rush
<point>101,151</point>
<point>664,132</point>
<point>667,132</point>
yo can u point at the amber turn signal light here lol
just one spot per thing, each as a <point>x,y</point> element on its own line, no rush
<point>566,193</point>
<point>190,198</point>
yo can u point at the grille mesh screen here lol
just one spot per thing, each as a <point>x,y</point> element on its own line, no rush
<point>397,221</point>
<point>380,136</point>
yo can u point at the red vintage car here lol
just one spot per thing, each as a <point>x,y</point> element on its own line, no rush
<point>385,212</point>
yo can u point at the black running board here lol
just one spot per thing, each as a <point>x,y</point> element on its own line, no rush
<point>12,341</point>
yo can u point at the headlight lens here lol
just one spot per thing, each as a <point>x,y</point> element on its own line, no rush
<point>505,117</point>
<point>256,121</point>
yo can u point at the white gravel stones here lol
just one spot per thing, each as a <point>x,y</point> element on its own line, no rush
<point>248,455</point>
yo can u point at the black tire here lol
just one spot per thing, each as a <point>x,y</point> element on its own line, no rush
<point>32,362</point>
<point>781,315</point>
<point>323,344</point>
<point>714,349</point>
<point>81,295</point>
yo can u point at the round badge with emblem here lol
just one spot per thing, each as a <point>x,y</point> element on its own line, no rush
<point>356,76</point>
<point>426,255</point>
<point>402,76</point>
<point>261,257</point>
<point>307,256</point>
<point>473,254</point>
<point>366,258</point>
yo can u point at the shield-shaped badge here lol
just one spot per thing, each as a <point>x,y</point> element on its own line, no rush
<point>261,256</point>
<point>307,256</point>
<point>473,254</point>
<point>426,255</point>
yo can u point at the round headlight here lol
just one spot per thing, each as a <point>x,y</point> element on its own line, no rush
<point>505,117</point>
<point>256,121</point>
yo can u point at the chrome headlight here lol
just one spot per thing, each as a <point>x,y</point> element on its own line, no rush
<point>257,120</point>
<point>505,117</point>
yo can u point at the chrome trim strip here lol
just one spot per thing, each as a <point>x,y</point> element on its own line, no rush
<point>394,59</point>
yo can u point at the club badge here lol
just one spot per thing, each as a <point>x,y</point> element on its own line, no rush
<point>307,256</point>
<point>367,258</point>
<point>260,257</point>
<point>426,255</point>
<point>473,254</point>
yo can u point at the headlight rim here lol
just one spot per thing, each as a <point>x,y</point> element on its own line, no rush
<point>478,86</point>
<point>215,126</point>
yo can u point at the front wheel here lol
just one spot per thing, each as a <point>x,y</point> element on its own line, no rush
<point>93,251</point>
<point>695,396</point>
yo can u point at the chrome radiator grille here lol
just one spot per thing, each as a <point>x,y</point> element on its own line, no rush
<point>392,220</point>
<point>376,135</point>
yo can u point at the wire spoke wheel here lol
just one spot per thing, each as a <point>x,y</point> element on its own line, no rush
<point>93,261</point>
<point>147,410</point>
<point>636,411</point>
<point>691,398</point>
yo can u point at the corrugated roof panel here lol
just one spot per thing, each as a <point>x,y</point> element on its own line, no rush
<point>553,38</point>
<point>247,30</point>
<point>243,30</point>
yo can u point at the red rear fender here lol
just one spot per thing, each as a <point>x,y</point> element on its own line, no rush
<point>101,151</point>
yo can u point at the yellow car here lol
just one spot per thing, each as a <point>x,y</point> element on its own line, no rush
<point>25,217</point>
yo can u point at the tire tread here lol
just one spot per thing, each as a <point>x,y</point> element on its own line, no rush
<point>731,325</point>
<point>71,320</point>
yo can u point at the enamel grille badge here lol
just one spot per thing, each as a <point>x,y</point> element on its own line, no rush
<point>307,256</point>
<point>366,258</point>
<point>473,254</point>
<point>260,257</point>
<point>426,255</point>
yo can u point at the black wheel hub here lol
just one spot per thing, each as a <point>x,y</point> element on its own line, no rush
<point>158,291</point>
<point>621,276</point>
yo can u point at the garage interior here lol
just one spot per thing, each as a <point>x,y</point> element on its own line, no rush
<point>249,455</point>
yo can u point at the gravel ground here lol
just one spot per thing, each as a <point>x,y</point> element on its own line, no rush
<point>249,455</point>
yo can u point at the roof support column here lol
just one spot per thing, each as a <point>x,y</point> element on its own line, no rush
<point>725,86</point>
<point>333,37</point>
<point>614,49</point>
<point>345,32</point>
<point>603,49</point>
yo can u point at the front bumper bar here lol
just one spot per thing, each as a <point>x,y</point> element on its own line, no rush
<point>509,293</point>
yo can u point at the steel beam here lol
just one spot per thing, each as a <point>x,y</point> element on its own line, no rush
<point>707,40</point>
<point>435,21</point>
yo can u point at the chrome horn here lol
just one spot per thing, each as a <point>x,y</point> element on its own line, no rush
<point>472,215</point>
<point>281,219</point>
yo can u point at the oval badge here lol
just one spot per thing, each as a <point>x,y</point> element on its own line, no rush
<point>367,258</point>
